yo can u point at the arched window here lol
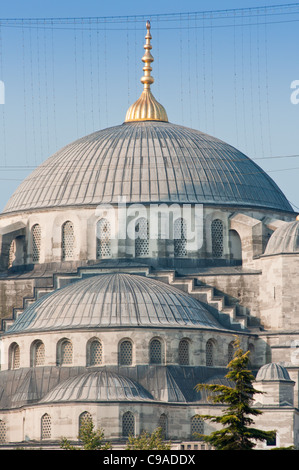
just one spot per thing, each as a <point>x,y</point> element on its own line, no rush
<point>14,356</point>
<point>230,351</point>
<point>67,241</point>
<point>252,354</point>
<point>12,253</point>
<point>141,238</point>
<point>163,424</point>
<point>84,419</point>
<point>210,353</point>
<point>37,354</point>
<point>197,427</point>
<point>36,242</point>
<point>180,238</point>
<point>2,432</point>
<point>46,426</point>
<point>128,424</point>
<point>184,352</point>
<point>155,351</point>
<point>217,238</point>
<point>235,245</point>
<point>95,353</point>
<point>65,353</point>
<point>103,239</point>
<point>125,353</point>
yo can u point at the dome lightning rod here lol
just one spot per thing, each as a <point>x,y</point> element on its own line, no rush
<point>147,108</point>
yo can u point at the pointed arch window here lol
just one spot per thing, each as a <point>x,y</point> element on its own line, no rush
<point>38,354</point>
<point>125,353</point>
<point>217,238</point>
<point>197,427</point>
<point>163,424</point>
<point>95,353</point>
<point>180,238</point>
<point>46,426</point>
<point>103,239</point>
<point>85,418</point>
<point>67,240</point>
<point>14,356</point>
<point>2,432</point>
<point>155,352</point>
<point>65,352</point>
<point>36,242</point>
<point>141,238</point>
<point>184,352</point>
<point>230,352</point>
<point>128,424</point>
<point>12,253</point>
<point>210,353</point>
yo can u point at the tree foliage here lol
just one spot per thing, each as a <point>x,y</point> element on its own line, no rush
<point>237,432</point>
<point>147,441</point>
<point>91,439</point>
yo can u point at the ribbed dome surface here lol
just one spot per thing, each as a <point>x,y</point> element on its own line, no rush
<point>272,371</point>
<point>285,239</point>
<point>114,300</point>
<point>97,386</point>
<point>147,162</point>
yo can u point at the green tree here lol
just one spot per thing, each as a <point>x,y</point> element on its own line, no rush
<point>237,432</point>
<point>147,441</point>
<point>92,439</point>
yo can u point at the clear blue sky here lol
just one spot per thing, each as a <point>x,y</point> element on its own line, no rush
<point>227,76</point>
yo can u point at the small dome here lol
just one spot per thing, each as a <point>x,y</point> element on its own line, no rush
<point>111,300</point>
<point>285,239</point>
<point>272,371</point>
<point>97,386</point>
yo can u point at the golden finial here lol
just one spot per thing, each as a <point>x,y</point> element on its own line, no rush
<point>147,108</point>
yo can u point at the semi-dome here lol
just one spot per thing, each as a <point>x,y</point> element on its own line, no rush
<point>96,386</point>
<point>147,162</point>
<point>114,300</point>
<point>272,372</point>
<point>285,239</point>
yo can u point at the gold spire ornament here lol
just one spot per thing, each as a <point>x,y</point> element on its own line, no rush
<point>147,108</point>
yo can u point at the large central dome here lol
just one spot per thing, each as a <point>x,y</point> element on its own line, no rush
<point>147,162</point>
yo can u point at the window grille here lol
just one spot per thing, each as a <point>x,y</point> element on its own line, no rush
<point>180,238</point>
<point>66,353</point>
<point>230,352</point>
<point>46,426</point>
<point>155,352</point>
<point>209,353</point>
<point>103,239</point>
<point>184,352</point>
<point>14,356</point>
<point>142,238</point>
<point>2,432</point>
<point>96,353</point>
<point>68,239</point>
<point>84,419</point>
<point>162,423</point>
<point>128,424</point>
<point>197,426</point>
<point>217,238</point>
<point>39,354</point>
<point>12,253</point>
<point>125,353</point>
<point>36,243</point>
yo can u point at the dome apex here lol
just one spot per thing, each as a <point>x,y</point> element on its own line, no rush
<point>147,108</point>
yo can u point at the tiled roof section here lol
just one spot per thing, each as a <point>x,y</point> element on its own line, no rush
<point>147,162</point>
<point>112,300</point>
